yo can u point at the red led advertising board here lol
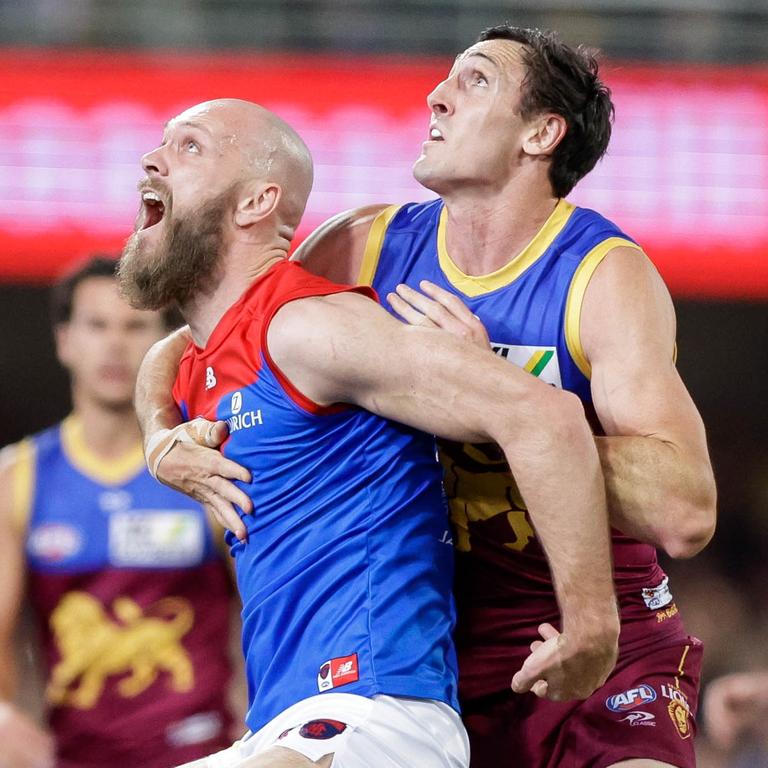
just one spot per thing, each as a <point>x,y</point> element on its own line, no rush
<point>686,174</point>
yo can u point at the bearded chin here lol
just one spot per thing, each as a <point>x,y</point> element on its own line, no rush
<point>182,266</point>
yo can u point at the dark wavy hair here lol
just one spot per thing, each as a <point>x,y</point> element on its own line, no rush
<point>565,81</point>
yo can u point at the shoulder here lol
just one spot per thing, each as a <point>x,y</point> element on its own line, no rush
<point>336,248</point>
<point>17,478</point>
<point>627,308</point>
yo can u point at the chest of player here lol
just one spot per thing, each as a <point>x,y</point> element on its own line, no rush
<point>528,319</point>
<point>84,526</point>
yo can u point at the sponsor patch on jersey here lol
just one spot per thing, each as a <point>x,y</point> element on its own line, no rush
<point>542,362</point>
<point>54,542</point>
<point>156,538</point>
<point>639,718</point>
<point>337,672</point>
<point>675,694</point>
<point>322,729</point>
<point>631,698</point>
<point>658,596</point>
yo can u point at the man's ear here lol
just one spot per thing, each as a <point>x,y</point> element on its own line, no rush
<point>258,201</point>
<point>546,132</point>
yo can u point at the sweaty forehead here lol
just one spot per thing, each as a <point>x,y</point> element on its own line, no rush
<point>507,55</point>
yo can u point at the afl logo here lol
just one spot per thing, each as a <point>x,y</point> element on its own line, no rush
<point>237,403</point>
<point>55,542</point>
<point>631,699</point>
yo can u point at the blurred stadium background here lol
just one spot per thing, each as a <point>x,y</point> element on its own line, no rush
<point>85,85</point>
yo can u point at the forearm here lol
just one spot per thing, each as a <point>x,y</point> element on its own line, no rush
<point>559,477</point>
<point>658,493</point>
<point>155,407</point>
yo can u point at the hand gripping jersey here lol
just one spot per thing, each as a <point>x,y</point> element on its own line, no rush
<point>531,309</point>
<point>133,605</point>
<point>346,574</point>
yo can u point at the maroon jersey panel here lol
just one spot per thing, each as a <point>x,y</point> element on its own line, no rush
<point>137,664</point>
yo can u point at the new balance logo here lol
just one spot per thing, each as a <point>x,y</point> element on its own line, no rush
<point>210,378</point>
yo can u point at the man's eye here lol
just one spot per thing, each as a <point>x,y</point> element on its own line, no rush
<point>480,79</point>
<point>192,146</point>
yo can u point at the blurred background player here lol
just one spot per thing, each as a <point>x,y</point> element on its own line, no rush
<point>131,598</point>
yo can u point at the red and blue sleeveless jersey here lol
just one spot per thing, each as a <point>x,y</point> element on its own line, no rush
<point>132,600</point>
<point>347,571</point>
<point>531,309</point>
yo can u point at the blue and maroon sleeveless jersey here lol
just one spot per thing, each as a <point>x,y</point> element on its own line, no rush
<point>346,574</point>
<point>531,309</point>
<point>133,604</point>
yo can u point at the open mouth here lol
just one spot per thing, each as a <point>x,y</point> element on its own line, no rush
<point>153,209</point>
<point>435,134</point>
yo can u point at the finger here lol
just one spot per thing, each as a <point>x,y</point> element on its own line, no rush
<point>227,517</point>
<point>435,311</point>
<point>547,631</point>
<point>536,644</point>
<point>540,688</point>
<point>450,301</point>
<point>536,667</point>
<point>406,311</point>
<point>207,462</point>
<point>217,433</point>
<point>231,493</point>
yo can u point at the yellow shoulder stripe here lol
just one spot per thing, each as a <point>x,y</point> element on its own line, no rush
<point>23,490</point>
<point>374,245</point>
<point>576,292</point>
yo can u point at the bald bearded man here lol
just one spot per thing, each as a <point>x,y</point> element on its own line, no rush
<point>345,572</point>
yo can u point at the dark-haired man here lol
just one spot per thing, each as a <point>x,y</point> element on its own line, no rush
<point>566,295</point>
<point>112,564</point>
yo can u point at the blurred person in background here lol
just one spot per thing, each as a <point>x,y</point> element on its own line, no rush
<point>130,594</point>
<point>567,295</point>
<point>736,717</point>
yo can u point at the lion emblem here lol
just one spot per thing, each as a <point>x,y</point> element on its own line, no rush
<point>93,647</point>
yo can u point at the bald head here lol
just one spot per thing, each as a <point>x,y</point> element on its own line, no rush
<point>265,147</point>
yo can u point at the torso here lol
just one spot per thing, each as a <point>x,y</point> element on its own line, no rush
<point>530,308</point>
<point>346,574</point>
<point>132,643</point>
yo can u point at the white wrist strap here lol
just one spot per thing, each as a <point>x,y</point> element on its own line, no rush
<point>161,443</point>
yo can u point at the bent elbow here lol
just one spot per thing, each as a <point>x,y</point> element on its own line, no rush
<point>695,529</point>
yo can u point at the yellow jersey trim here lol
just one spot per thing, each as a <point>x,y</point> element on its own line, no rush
<point>476,285</point>
<point>576,291</point>
<point>23,479</point>
<point>106,471</point>
<point>374,244</point>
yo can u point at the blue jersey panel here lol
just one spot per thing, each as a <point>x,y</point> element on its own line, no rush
<point>347,571</point>
<point>78,524</point>
<point>524,315</point>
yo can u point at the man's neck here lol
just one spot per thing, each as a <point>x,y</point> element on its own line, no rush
<point>109,432</point>
<point>239,270</point>
<point>486,231</point>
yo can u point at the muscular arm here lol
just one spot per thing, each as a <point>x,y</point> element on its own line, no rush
<point>346,348</point>
<point>188,462</point>
<point>658,476</point>
<point>25,744</point>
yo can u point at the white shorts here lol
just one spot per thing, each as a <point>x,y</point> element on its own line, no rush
<point>377,732</point>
